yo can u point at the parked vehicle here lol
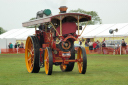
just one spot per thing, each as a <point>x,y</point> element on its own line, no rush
<point>53,43</point>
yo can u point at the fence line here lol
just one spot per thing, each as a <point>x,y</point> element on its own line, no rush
<point>102,50</point>
<point>109,50</point>
<point>13,51</point>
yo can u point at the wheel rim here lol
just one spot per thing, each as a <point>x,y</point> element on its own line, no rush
<point>29,55</point>
<point>80,63</point>
<point>46,59</point>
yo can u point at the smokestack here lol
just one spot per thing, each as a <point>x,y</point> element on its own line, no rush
<point>63,9</point>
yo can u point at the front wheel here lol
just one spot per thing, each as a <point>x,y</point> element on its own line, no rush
<point>82,60</point>
<point>48,61</point>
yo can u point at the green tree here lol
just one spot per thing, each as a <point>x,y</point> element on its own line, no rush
<point>2,30</point>
<point>95,19</point>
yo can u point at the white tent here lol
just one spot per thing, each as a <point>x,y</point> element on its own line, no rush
<point>102,30</point>
<point>18,34</point>
<point>91,31</point>
<point>14,35</point>
<point>5,42</point>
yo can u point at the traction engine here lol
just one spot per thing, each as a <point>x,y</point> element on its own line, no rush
<point>53,42</point>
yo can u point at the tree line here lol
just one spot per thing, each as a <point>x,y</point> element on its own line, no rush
<point>2,30</point>
<point>95,19</point>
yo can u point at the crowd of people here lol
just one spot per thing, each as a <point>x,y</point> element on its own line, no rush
<point>97,44</point>
<point>17,45</point>
<point>93,45</point>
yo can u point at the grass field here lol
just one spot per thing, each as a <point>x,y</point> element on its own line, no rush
<point>101,70</point>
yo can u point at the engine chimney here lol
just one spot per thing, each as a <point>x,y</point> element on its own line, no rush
<point>63,9</point>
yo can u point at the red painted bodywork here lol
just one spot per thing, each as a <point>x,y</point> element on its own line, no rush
<point>68,33</point>
<point>49,42</point>
<point>67,27</point>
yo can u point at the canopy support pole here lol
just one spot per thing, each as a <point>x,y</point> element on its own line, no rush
<point>60,26</point>
<point>78,24</point>
<point>83,29</point>
<point>54,28</point>
<point>35,29</point>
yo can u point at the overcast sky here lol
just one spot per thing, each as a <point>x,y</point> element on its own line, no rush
<point>14,12</point>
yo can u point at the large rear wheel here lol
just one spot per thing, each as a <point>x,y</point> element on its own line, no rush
<point>82,60</point>
<point>32,54</point>
<point>48,61</point>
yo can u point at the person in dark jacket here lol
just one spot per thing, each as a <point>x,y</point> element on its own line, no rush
<point>123,43</point>
<point>86,44</point>
<point>15,46</point>
<point>80,42</point>
<point>41,27</point>
<point>124,47</point>
<point>103,44</point>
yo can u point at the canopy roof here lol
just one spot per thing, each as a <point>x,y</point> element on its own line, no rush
<point>54,19</point>
<point>91,31</point>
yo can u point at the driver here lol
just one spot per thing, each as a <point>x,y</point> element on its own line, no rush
<point>41,27</point>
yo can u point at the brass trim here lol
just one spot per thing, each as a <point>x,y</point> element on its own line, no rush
<point>83,29</point>
<point>54,28</point>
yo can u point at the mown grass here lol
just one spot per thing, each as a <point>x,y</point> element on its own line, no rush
<point>101,70</point>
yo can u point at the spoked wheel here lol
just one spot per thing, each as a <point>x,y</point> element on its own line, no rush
<point>48,61</point>
<point>70,66</point>
<point>82,60</point>
<point>32,54</point>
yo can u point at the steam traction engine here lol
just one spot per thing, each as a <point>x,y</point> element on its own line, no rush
<point>53,43</point>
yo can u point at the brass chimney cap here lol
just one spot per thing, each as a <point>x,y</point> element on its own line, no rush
<point>63,9</point>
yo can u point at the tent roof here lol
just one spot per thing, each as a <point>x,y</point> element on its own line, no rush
<point>18,34</point>
<point>91,31</point>
<point>106,33</point>
<point>102,30</point>
<point>98,30</point>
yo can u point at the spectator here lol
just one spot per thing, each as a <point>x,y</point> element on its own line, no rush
<point>103,47</point>
<point>82,39</point>
<point>123,47</point>
<point>90,45</point>
<point>15,46</point>
<point>21,45</point>
<point>10,45</point>
<point>103,44</point>
<point>18,44</point>
<point>80,42</point>
<point>98,44</point>
<point>94,45</point>
<point>123,43</point>
<point>86,44</point>
<point>118,46</point>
